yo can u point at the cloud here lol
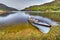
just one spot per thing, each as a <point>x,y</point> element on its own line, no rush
<point>21,4</point>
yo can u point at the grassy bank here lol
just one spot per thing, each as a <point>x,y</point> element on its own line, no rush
<point>27,32</point>
<point>53,6</point>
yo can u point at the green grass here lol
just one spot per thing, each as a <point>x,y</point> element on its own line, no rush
<point>53,6</point>
<point>27,32</point>
<point>54,16</point>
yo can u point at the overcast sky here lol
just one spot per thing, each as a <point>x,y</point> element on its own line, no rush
<point>21,4</point>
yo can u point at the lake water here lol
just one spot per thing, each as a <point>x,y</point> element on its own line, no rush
<point>22,17</point>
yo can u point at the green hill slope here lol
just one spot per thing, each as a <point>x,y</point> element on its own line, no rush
<point>6,8</point>
<point>52,6</point>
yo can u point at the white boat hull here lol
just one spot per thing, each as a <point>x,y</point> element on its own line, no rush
<point>42,28</point>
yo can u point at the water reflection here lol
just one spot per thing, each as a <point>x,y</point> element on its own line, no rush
<point>21,17</point>
<point>14,18</point>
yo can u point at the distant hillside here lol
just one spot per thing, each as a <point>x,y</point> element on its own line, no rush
<point>52,6</point>
<point>6,8</point>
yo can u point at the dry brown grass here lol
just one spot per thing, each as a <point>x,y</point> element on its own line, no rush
<point>27,32</point>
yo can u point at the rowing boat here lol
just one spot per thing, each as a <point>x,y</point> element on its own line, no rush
<point>38,22</point>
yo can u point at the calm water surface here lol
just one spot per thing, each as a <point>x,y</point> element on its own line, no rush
<point>22,17</point>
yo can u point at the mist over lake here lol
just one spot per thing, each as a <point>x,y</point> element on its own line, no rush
<point>21,4</point>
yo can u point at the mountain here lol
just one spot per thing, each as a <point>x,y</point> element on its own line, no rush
<point>52,6</point>
<point>6,8</point>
